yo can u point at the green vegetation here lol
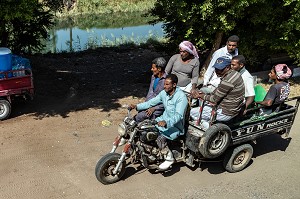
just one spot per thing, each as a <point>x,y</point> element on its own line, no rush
<point>23,24</point>
<point>150,40</point>
<point>107,6</point>
<point>112,20</point>
<point>265,27</point>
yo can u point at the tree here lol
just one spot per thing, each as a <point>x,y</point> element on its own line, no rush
<point>24,24</point>
<point>264,26</point>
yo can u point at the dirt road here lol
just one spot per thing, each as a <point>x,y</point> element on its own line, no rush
<point>50,146</point>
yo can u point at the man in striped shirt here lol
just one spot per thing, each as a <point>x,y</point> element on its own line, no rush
<point>228,96</point>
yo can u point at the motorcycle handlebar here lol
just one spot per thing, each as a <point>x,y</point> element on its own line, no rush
<point>129,107</point>
<point>154,122</point>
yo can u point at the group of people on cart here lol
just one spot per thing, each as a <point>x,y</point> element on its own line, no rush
<point>227,87</point>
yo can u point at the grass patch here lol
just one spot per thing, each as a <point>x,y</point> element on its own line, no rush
<point>94,42</point>
<point>108,6</point>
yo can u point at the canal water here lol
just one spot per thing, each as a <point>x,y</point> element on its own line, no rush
<point>81,34</point>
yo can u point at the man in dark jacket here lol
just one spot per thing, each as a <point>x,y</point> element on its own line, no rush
<point>156,85</point>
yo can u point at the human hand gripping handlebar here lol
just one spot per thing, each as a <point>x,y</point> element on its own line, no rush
<point>131,106</point>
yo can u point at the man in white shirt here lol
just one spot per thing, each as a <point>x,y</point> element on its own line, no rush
<point>238,64</point>
<point>211,80</point>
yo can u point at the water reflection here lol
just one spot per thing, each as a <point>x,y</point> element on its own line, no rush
<point>75,34</point>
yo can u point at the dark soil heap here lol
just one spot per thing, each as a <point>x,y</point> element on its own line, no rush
<point>94,78</point>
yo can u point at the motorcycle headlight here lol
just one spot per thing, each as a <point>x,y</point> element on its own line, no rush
<point>121,129</point>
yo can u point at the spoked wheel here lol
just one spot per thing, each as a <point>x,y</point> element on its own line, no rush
<point>215,140</point>
<point>106,165</point>
<point>5,109</point>
<point>238,159</point>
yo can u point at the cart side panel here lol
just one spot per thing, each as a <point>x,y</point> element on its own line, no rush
<point>16,86</point>
<point>269,126</point>
<point>15,83</point>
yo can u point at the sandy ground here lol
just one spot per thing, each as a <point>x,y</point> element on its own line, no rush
<point>50,146</point>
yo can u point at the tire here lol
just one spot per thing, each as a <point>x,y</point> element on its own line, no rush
<point>106,165</point>
<point>238,159</point>
<point>5,109</point>
<point>215,141</point>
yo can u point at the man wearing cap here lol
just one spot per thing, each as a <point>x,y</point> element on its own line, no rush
<point>228,96</point>
<point>210,79</point>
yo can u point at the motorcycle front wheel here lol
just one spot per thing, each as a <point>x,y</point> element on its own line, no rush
<point>106,165</point>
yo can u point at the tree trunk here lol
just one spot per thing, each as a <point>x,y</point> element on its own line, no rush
<point>216,45</point>
<point>4,34</point>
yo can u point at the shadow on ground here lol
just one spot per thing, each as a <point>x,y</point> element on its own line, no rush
<point>270,143</point>
<point>96,79</point>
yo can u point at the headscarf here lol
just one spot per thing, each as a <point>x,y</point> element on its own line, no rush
<point>189,47</point>
<point>282,71</point>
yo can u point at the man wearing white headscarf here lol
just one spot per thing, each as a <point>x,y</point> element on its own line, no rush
<point>185,66</point>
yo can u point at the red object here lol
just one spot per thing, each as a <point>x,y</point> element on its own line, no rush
<point>126,148</point>
<point>16,86</point>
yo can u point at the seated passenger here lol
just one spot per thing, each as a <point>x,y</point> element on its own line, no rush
<point>156,85</point>
<point>210,79</point>
<point>238,64</point>
<point>185,66</point>
<point>228,96</point>
<point>277,92</point>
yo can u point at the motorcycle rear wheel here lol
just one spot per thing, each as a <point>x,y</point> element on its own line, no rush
<point>105,167</point>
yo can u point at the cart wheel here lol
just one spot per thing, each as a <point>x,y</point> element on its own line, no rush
<point>5,109</point>
<point>215,140</point>
<point>238,159</point>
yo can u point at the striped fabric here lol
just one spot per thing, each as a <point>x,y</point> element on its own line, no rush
<point>230,93</point>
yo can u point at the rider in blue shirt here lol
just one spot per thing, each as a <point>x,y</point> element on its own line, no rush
<point>171,122</point>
